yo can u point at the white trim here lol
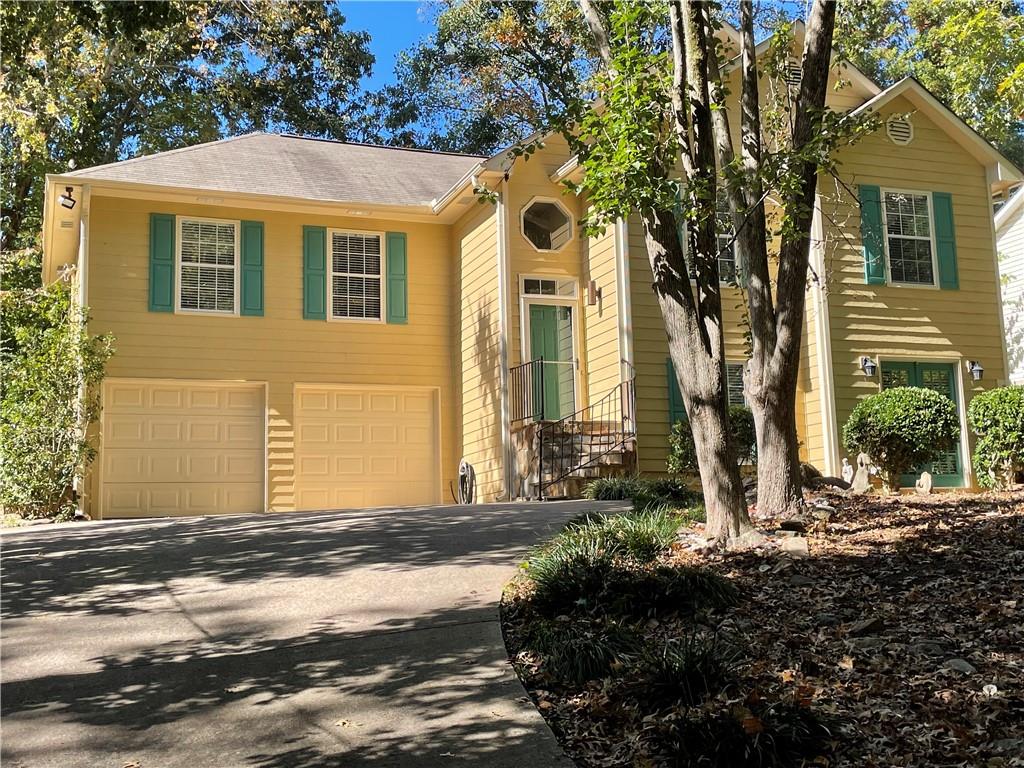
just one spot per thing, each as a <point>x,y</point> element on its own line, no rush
<point>523,277</point>
<point>505,425</point>
<point>382,237</point>
<point>576,313</point>
<point>931,238</point>
<point>1009,208</point>
<point>624,300</point>
<point>823,348</point>
<point>556,202</point>
<point>80,483</point>
<point>237,266</point>
<point>1001,307</point>
<point>999,168</point>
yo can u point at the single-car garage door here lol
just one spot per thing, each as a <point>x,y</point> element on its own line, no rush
<point>365,447</point>
<point>173,447</point>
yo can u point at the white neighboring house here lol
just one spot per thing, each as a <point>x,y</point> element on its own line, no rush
<point>1009,222</point>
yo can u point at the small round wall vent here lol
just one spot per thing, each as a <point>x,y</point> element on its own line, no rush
<point>900,130</point>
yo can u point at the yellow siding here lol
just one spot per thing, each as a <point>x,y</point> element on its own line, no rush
<point>650,350</point>
<point>280,348</point>
<point>530,179</point>
<point>910,323</point>
<point>601,339</point>
<point>476,236</point>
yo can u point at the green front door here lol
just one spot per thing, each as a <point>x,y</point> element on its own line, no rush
<point>946,470</point>
<point>551,341</point>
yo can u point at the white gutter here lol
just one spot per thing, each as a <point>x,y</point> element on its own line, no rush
<point>503,325</point>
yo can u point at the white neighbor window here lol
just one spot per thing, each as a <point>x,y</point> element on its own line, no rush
<point>208,265</point>
<point>356,262</point>
<point>908,237</point>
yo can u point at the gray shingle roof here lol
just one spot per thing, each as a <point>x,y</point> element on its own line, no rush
<point>294,166</point>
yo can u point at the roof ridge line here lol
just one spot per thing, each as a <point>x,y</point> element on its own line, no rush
<point>289,135</point>
<point>175,151</point>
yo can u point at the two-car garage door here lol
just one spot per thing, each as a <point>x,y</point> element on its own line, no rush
<point>197,448</point>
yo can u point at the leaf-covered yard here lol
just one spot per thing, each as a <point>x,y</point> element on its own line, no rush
<point>900,633</point>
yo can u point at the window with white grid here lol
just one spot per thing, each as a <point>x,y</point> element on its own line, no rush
<point>908,236</point>
<point>356,275</point>
<point>207,265</point>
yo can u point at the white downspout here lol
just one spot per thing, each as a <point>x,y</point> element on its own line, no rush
<point>503,323</point>
<point>823,329</point>
<point>625,304</point>
<point>82,269</point>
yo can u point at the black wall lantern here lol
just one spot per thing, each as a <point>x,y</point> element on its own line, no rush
<point>975,369</point>
<point>869,366</point>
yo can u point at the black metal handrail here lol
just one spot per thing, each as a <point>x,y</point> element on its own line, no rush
<point>526,391</point>
<point>581,439</point>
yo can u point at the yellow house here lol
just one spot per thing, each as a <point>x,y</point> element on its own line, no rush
<point>304,324</point>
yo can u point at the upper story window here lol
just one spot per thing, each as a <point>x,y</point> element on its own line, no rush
<point>208,265</point>
<point>356,263</point>
<point>909,237</point>
<point>546,224</point>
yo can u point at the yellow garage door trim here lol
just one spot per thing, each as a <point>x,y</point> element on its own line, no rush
<point>182,447</point>
<point>361,446</point>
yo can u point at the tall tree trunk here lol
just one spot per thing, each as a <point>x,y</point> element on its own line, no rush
<point>697,351</point>
<point>780,492</point>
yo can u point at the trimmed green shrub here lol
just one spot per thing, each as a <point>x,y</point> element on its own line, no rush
<point>997,418</point>
<point>902,428</point>
<point>47,358</point>
<point>682,454</point>
<point>577,651</point>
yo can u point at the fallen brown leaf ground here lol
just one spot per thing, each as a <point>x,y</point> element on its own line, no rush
<point>903,629</point>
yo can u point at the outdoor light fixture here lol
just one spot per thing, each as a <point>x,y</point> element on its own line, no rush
<point>869,367</point>
<point>66,199</point>
<point>593,293</point>
<point>975,369</point>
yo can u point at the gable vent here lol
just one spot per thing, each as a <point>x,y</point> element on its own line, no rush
<point>900,130</point>
<point>794,73</point>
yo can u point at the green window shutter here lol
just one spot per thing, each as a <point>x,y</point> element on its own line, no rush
<point>398,278</point>
<point>871,234</point>
<point>161,262</point>
<point>676,409</point>
<point>314,273</point>
<point>945,240</point>
<point>252,268</point>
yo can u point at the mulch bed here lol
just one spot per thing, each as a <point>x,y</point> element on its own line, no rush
<point>902,629</point>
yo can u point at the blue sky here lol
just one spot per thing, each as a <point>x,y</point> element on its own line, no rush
<point>394,26</point>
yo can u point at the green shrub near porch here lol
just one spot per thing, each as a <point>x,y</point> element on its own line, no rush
<point>997,418</point>
<point>902,428</point>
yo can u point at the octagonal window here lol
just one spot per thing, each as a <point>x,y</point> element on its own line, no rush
<point>547,225</point>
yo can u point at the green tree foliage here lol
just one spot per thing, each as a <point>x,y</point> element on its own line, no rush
<point>48,359</point>
<point>997,418</point>
<point>491,74</point>
<point>902,428</point>
<point>682,456</point>
<point>969,53</point>
<point>95,82</point>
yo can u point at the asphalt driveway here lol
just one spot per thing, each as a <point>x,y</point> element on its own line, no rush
<point>279,641</point>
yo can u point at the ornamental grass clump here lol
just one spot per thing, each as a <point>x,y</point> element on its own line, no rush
<point>997,418</point>
<point>901,429</point>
